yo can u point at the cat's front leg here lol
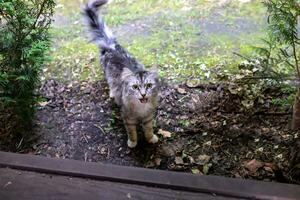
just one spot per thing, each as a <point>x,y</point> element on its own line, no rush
<point>130,126</point>
<point>148,130</point>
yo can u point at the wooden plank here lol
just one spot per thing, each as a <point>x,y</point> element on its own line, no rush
<point>154,178</point>
<point>36,186</point>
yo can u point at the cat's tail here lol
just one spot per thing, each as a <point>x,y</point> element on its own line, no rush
<point>100,34</point>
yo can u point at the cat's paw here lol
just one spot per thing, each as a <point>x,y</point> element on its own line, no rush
<point>131,144</point>
<point>154,139</point>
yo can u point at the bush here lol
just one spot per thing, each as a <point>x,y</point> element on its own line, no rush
<point>283,19</point>
<point>24,41</point>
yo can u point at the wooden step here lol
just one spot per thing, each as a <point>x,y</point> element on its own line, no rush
<point>213,186</point>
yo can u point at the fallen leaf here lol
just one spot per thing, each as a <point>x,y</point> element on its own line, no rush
<point>271,165</point>
<point>191,159</point>
<point>165,134</point>
<point>203,159</point>
<point>237,175</point>
<point>261,149</point>
<point>254,165</point>
<point>247,103</point>
<point>178,160</point>
<point>205,169</point>
<point>157,161</point>
<point>44,103</point>
<point>150,164</point>
<point>192,83</point>
<point>279,156</point>
<point>269,169</point>
<point>208,143</point>
<point>195,171</point>
<point>181,91</point>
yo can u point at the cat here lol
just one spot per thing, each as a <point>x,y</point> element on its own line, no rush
<point>132,87</point>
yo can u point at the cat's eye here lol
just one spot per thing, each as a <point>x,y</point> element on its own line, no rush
<point>135,87</point>
<point>148,85</point>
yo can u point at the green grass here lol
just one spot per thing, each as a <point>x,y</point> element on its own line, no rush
<point>173,40</point>
<point>74,60</point>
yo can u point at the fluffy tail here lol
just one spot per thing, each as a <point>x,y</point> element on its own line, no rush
<point>100,34</point>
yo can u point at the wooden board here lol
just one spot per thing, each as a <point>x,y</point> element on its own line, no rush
<point>36,186</point>
<point>152,178</point>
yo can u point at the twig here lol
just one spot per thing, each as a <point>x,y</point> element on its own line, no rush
<point>295,57</point>
<point>182,98</point>
<point>85,138</point>
<point>85,156</point>
<point>259,113</point>
<point>20,143</point>
<point>273,113</point>
<point>242,56</point>
<point>271,77</point>
<point>108,153</point>
<point>99,126</point>
<point>37,18</point>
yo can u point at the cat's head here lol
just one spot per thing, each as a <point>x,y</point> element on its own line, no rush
<point>142,85</point>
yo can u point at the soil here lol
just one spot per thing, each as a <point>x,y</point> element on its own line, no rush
<point>203,129</point>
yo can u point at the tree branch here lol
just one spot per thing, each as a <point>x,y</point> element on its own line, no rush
<point>295,57</point>
<point>37,18</point>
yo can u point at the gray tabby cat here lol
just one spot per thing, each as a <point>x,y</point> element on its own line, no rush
<point>133,88</point>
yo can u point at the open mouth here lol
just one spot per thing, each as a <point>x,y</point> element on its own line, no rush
<point>144,100</point>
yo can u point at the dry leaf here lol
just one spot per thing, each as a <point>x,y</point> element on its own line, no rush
<point>237,175</point>
<point>178,160</point>
<point>254,165</point>
<point>195,171</point>
<point>203,159</point>
<point>192,83</point>
<point>205,169</point>
<point>165,134</point>
<point>157,161</point>
<point>269,169</point>
<point>44,103</point>
<point>181,91</point>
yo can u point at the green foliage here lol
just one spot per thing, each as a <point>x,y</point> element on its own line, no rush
<point>275,60</point>
<point>283,20</point>
<point>272,62</point>
<point>286,102</point>
<point>248,84</point>
<point>24,41</point>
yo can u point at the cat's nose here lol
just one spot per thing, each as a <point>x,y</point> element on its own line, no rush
<point>143,95</point>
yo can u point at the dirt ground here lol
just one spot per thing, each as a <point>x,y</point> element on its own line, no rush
<point>203,129</point>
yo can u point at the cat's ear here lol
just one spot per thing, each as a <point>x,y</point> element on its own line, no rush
<point>154,71</point>
<point>126,73</point>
